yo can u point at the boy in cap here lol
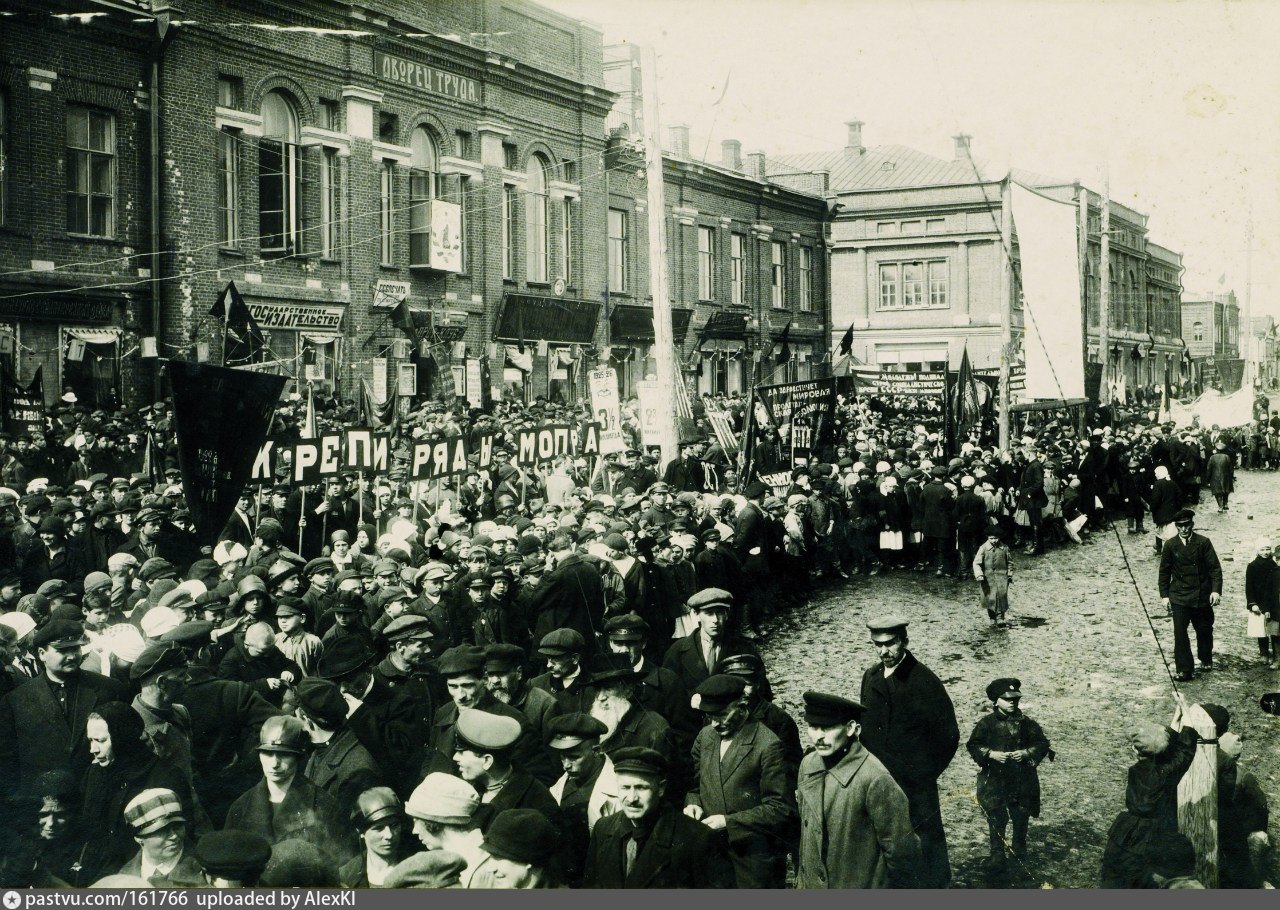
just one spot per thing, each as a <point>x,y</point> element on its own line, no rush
<point>1007,747</point>
<point>855,825</point>
<point>158,825</point>
<point>294,641</point>
<point>993,568</point>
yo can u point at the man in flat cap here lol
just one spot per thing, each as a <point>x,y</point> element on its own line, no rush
<point>1007,746</point>
<point>408,666</point>
<point>649,843</point>
<point>566,678</point>
<point>1190,586</point>
<point>696,656</point>
<point>571,596</point>
<point>588,788</point>
<point>338,763</point>
<point>284,804</point>
<point>504,674</point>
<point>855,826</point>
<point>742,785</point>
<point>158,675</point>
<point>909,723</point>
<point>43,720</point>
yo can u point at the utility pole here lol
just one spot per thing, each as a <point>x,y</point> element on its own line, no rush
<point>1246,329</point>
<point>1006,307</point>
<point>1082,260</point>
<point>663,343</point>
<point>1104,291</point>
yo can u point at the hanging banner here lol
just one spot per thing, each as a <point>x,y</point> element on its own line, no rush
<point>607,409</point>
<point>649,397</point>
<point>23,405</point>
<point>1049,261</point>
<point>917,383</point>
<point>446,236</point>
<point>789,424</point>
<point>475,383</point>
<point>221,417</point>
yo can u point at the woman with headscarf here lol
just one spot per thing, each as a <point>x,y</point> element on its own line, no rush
<point>1262,597</point>
<point>123,766</point>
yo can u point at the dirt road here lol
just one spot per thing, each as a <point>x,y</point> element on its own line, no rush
<point>1081,645</point>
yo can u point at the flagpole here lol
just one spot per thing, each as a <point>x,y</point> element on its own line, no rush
<point>1006,304</point>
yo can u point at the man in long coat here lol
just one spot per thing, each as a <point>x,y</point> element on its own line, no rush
<point>571,596</point>
<point>909,723</point>
<point>1191,586</point>
<point>939,508</point>
<point>855,824</point>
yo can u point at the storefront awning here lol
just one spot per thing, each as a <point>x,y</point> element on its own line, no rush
<point>629,322</point>
<point>725,325</point>
<point>558,319</point>
<point>95,336</point>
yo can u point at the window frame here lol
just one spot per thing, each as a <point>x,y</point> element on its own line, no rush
<point>566,239</point>
<point>508,232</point>
<point>386,213</point>
<point>778,274</point>
<point>82,165</point>
<point>895,293</point>
<point>330,203</point>
<point>424,175</point>
<point>617,264</point>
<point>537,239</point>
<point>706,263</point>
<point>806,279</point>
<point>737,269</point>
<point>228,188</point>
<point>292,217</point>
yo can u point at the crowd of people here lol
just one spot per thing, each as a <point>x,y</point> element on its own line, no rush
<point>533,676</point>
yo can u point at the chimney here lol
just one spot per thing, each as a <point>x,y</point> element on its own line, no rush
<point>679,138</point>
<point>756,165</point>
<point>854,147</point>
<point>962,146</point>
<point>731,154</point>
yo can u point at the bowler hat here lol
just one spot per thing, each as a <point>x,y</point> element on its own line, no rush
<point>345,656</point>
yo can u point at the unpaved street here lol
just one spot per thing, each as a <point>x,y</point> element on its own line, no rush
<point>1084,651</point>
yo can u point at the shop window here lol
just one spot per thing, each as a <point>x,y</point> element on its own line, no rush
<point>280,217</point>
<point>91,172</point>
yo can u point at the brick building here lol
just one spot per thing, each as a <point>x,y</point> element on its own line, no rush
<point>1211,326</point>
<point>746,258</point>
<point>917,265</point>
<point>332,159</point>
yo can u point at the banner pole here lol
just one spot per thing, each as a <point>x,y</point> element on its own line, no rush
<point>302,519</point>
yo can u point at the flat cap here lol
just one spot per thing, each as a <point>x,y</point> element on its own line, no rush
<point>461,660</point>
<point>386,567</point>
<point>234,855</point>
<point>55,587</point>
<point>823,710</point>
<point>345,656</point>
<point>157,658</point>
<point>561,643</point>
<point>716,693</point>
<point>290,606</point>
<point>885,625</point>
<point>486,731</point>
<point>97,581</point>
<point>60,634</point>
<point>406,627</point>
<point>152,810</point>
<point>1004,687</point>
<point>639,760</point>
<point>195,633</point>
<point>322,700</point>
<point>627,627</point>
<point>710,599</point>
<point>503,658</point>
<point>568,730</point>
<point>444,799</point>
<point>659,487</point>
<point>435,571</point>
<point>156,568</point>
<point>1183,516</point>
<point>428,869</point>
<point>319,564</point>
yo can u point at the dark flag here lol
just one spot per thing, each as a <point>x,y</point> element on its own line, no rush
<point>153,462</point>
<point>402,318</point>
<point>23,406</point>
<point>846,343</point>
<point>242,340</point>
<point>221,417</point>
<point>967,410</point>
<point>785,353</point>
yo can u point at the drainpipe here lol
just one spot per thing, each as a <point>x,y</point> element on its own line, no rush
<point>163,36</point>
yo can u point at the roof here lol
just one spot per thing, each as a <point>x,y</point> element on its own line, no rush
<point>881,167</point>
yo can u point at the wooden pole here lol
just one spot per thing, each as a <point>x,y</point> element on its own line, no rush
<point>302,518</point>
<point>663,336</point>
<point>1006,304</point>
<point>1104,293</point>
<point>1198,797</point>
<point>1082,255</point>
<point>1245,334</point>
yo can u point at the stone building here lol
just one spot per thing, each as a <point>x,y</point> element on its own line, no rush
<point>1211,327</point>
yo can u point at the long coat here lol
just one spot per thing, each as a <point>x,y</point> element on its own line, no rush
<point>1262,586</point>
<point>1166,500</point>
<point>939,508</point>
<point>1221,473</point>
<point>679,853</point>
<point>1008,785</point>
<point>570,597</point>
<point>1189,572</point>
<point>751,787</point>
<point>909,722</point>
<point>685,659</point>
<point>855,825</point>
<point>307,813</point>
<point>35,736</point>
<point>344,769</point>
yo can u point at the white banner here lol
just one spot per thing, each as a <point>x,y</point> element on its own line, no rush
<point>607,410</point>
<point>1051,342</point>
<point>475,390</point>
<point>446,236</point>
<point>1214,408</point>
<point>649,396</point>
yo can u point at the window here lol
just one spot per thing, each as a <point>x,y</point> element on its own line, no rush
<point>566,239</point>
<point>229,92</point>
<point>778,272</point>
<point>329,206</point>
<point>806,279</point>
<point>91,178</point>
<point>463,139</point>
<point>914,285</point>
<point>386,206</point>
<point>508,156</point>
<point>535,221</point>
<point>388,127</point>
<point>1197,331</point>
<point>279,176</point>
<point>938,283</point>
<point>228,187</point>
<point>737,268</point>
<point>424,185</point>
<point>706,263</point>
<point>330,117</point>
<point>508,231</point>
<point>617,251</point>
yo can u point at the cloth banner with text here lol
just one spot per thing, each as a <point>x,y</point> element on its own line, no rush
<point>789,424</point>
<point>23,405</point>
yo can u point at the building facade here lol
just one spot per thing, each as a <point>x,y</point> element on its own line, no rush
<point>1211,327</point>
<point>918,265</point>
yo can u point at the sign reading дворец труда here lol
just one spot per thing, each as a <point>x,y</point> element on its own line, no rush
<point>419,75</point>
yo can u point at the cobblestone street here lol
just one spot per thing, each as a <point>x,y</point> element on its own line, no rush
<point>1084,651</point>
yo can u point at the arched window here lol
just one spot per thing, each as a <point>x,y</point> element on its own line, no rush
<point>424,177</point>
<point>1197,331</point>
<point>535,220</point>
<point>279,176</point>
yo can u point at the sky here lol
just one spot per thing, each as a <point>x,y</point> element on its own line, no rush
<point>1177,101</point>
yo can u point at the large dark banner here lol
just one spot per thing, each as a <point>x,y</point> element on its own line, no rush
<point>221,417</point>
<point>23,406</point>
<point>788,425</point>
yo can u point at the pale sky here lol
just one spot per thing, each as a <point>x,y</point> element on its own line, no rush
<point>1180,99</point>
